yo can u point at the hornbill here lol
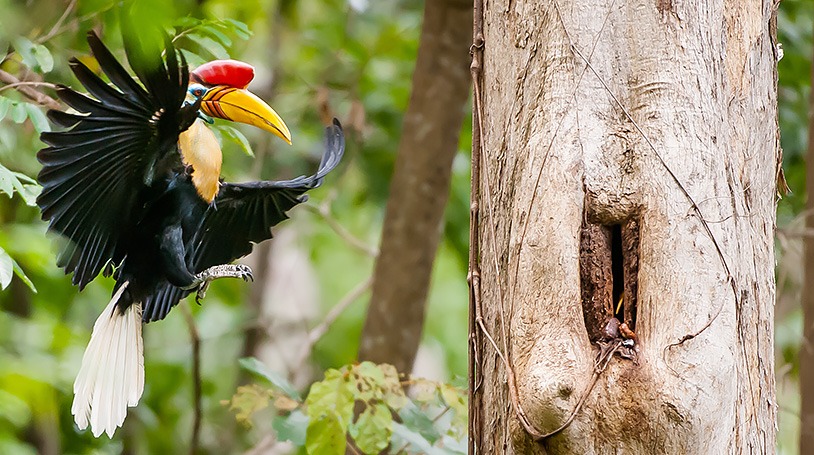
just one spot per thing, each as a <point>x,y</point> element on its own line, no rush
<point>133,183</point>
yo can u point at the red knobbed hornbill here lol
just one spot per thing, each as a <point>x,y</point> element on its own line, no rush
<point>133,183</point>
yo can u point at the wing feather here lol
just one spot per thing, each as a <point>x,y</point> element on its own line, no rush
<point>242,215</point>
<point>94,172</point>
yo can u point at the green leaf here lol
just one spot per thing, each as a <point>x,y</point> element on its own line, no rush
<point>43,57</point>
<point>211,46</point>
<point>217,35</point>
<point>394,393</point>
<point>454,398</point>
<point>257,367</point>
<point>35,56</point>
<point>7,181</point>
<point>332,396</point>
<point>370,380</point>
<point>25,48</point>
<point>325,436</point>
<point>234,135</point>
<point>292,427</point>
<point>22,276</point>
<point>24,178</point>
<point>186,22</point>
<point>6,269</point>
<point>412,417</point>
<point>29,194</point>
<point>38,119</point>
<point>416,440</point>
<point>240,29</point>
<point>14,409</point>
<point>18,112</point>
<point>248,400</point>
<point>194,60</point>
<point>5,105</point>
<point>372,430</point>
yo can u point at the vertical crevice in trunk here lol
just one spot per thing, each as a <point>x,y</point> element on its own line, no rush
<point>609,270</point>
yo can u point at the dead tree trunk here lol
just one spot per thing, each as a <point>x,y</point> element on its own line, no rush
<point>628,174</point>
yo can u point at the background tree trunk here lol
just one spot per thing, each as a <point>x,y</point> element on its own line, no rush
<point>420,186</point>
<point>807,347</point>
<point>587,186</point>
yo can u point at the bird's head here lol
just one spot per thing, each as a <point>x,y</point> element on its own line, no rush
<point>220,85</point>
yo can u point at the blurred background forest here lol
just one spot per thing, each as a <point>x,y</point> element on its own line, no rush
<point>304,314</point>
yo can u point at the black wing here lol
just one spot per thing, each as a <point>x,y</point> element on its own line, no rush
<point>93,173</point>
<point>242,215</point>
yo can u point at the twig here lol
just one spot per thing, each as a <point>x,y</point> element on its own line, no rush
<point>56,28</point>
<point>28,91</point>
<point>351,446</point>
<point>196,378</point>
<point>340,230</point>
<point>474,355</point>
<point>29,83</point>
<point>320,330</point>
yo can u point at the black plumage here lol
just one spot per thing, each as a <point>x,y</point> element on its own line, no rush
<point>115,186</point>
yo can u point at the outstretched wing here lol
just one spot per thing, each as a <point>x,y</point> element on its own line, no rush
<point>94,173</point>
<point>242,215</point>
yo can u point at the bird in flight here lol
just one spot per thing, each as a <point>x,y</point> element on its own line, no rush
<point>132,182</point>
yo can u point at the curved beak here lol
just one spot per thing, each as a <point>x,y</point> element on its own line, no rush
<point>241,105</point>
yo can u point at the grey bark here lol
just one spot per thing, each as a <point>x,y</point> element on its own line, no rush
<point>699,78</point>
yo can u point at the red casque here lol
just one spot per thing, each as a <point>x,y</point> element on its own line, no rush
<point>233,73</point>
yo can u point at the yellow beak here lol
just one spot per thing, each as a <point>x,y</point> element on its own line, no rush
<point>240,105</point>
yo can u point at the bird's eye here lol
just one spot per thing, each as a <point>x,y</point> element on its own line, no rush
<point>197,91</point>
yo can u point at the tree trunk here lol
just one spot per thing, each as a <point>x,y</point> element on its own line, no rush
<point>420,186</point>
<point>639,188</point>
<point>807,348</point>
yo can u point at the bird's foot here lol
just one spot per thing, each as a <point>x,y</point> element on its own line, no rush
<point>202,280</point>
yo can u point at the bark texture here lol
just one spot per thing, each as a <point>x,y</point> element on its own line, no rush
<point>699,78</point>
<point>420,186</point>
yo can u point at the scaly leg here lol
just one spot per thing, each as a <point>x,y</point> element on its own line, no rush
<point>203,279</point>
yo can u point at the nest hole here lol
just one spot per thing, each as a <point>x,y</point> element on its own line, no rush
<point>609,271</point>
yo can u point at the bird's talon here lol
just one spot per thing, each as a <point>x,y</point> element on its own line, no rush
<point>201,292</point>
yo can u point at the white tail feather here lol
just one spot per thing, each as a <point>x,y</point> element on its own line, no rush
<point>111,377</point>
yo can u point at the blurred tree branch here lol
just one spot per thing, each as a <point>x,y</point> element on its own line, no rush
<point>317,332</point>
<point>27,89</point>
<point>420,186</point>
<point>196,377</point>
<point>324,211</point>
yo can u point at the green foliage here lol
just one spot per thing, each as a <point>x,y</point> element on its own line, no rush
<point>223,131</point>
<point>209,36</point>
<point>362,403</point>
<point>27,188</point>
<point>35,56</point>
<point>361,60</point>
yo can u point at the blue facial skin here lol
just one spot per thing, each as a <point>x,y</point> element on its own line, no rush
<point>194,93</point>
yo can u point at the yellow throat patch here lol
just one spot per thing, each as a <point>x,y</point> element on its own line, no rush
<point>200,149</point>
